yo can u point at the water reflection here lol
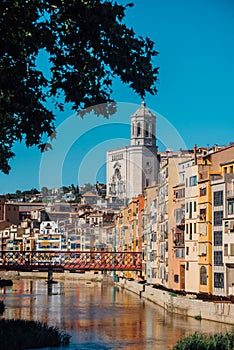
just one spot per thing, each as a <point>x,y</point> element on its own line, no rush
<point>99,316</point>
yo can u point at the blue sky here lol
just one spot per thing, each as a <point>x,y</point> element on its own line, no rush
<point>195,95</point>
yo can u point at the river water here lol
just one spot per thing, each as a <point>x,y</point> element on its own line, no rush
<point>99,316</point>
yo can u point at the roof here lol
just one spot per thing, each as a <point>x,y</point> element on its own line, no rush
<point>89,194</point>
<point>142,111</point>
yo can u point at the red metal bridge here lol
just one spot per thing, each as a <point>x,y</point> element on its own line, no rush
<point>72,261</point>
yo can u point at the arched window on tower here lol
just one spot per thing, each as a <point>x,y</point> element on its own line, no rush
<point>133,129</point>
<point>146,130</point>
<point>150,130</point>
<point>138,129</point>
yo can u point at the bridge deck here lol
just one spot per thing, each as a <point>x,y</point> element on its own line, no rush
<point>78,260</point>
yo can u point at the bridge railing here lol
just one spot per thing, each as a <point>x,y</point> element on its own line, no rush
<point>75,260</point>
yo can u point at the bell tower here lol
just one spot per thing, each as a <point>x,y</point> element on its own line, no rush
<point>143,127</point>
<point>132,168</point>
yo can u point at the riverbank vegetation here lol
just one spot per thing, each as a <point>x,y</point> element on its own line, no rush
<point>20,334</point>
<point>219,341</point>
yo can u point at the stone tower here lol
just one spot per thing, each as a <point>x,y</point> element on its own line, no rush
<point>130,169</point>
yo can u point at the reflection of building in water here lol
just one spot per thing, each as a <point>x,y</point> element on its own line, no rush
<point>25,310</point>
<point>130,169</point>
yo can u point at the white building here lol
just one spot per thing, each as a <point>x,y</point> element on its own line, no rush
<point>132,168</point>
<point>49,237</point>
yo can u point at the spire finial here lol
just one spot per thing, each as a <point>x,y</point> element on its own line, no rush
<point>143,104</point>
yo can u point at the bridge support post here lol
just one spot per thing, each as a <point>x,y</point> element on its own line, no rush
<point>50,276</point>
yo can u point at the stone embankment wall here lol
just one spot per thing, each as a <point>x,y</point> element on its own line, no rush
<point>222,312</point>
<point>57,276</point>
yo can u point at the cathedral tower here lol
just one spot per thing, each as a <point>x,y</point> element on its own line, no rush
<point>130,169</point>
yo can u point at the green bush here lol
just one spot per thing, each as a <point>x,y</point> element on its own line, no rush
<point>20,334</point>
<point>197,341</point>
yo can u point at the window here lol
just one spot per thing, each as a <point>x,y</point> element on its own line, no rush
<point>231,249</point>
<point>218,198</point>
<point>203,276</point>
<point>225,252</point>
<point>166,227</point>
<point>187,250</point>
<point>180,193</point>
<point>218,258</point>
<point>193,181</point>
<point>218,238</point>
<point>179,215</point>
<point>194,227</point>
<point>179,253</point>
<point>190,210</point>
<point>138,129</point>
<point>190,231</point>
<point>203,190</point>
<point>182,253</point>
<point>203,214</point>
<point>203,250</point>
<point>194,206</point>
<point>218,217</point>
<point>186,228</point>
<point>146,130</point>
<point>176,278</point>
<point>231,206</point>
<point>187,265</point>
<point>218,280</point>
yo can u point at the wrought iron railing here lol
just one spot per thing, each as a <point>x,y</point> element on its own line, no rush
<point>75,260</point>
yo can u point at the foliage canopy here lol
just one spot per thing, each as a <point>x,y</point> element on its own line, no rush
<point>88,45</point>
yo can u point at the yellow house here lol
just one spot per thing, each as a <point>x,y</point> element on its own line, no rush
<point>204,230</point>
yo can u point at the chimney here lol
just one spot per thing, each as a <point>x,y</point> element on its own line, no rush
<point>195,154</point>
